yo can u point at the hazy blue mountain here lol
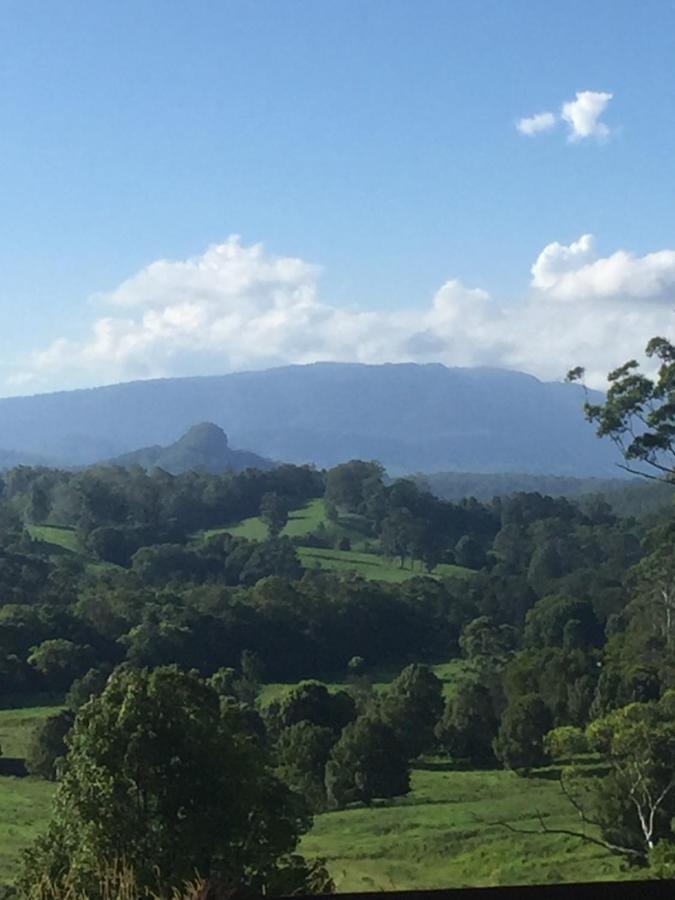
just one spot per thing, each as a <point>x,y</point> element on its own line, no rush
<point>627,496</point>
<point>204,446</point>
<point>11,458</point>
<point>413,418</point>
<point>455,485</point>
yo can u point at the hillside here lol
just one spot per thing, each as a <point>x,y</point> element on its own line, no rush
<point>413,418</point>
<point>203,447</point>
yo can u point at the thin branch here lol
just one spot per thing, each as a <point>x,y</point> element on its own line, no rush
<point>615,849</point>
<point>646,474</point>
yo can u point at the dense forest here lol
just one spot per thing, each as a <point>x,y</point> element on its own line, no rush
<point>557,608</point>
<point>157,635</point>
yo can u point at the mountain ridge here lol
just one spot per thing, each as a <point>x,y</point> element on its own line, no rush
<point>412,417</point>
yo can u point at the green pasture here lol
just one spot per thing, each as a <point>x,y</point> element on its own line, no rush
<point>17,725</point>
<point>57,537</point>
<point>369,565</point>
<point>446,833</point>
<point>24,811</point>
<point>24,802</point>
<point>300,523</point>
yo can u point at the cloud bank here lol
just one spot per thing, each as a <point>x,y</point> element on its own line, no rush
<point>581,115</point>
<point>238,307</point>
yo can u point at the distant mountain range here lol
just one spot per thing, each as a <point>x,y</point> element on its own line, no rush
<point>204,447</point>
<point>412,418</point>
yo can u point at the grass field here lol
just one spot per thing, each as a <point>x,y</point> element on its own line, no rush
<point>369,565</point>
<point>301,522</point>
<point>307,519</point>
<point>17,725</point>
<point>448,672</point>
<point>24,811</point>
<point>443,835</point>
<point>58,538</point>
<point>24,802</point>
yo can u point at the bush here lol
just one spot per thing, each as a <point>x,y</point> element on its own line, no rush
<point>565,742</point>
<point>47,746</point>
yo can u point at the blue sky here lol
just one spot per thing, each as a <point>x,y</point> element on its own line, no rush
<point>375,139</point>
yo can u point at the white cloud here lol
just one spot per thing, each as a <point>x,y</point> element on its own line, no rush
<point>583,114</point>
<point>575,274</point>
<point>532,125</point>
<point>555,260</point>
<point>238,307</point>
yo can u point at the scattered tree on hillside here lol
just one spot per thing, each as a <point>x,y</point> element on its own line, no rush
<point>469,552</point>
<point>47,746</point>
<point>354,486</point>
<point>274,513</point>
<point>633,806</point>
<point>520,741</point>
<point>302,751</point>
<point>411,706</point>
<point>469,724</point>
<point>312,702</point>
<point>565,742</point>
<point>367,762</point>
<point>60,661</point>
<point>159,775</point>
<point>481,637</point>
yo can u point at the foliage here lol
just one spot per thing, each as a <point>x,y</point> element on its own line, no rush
<point>302,751</point>
<point>367,762</point>
<point>60,661</point>
<point>411,707</point>
<point>158,775</point>
<point>639,412</point>
<point>310,702</point>
<point>274,513</point>
<point>482,637</point>
<point>48,746</point>
<point>469,724</point>
<point>565,742</point>
<point>520,741</point>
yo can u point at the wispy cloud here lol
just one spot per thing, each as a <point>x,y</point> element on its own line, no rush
<point>532,125</point>
<point>237,307</point>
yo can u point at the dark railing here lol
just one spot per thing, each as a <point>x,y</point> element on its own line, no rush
<point>597,890</point>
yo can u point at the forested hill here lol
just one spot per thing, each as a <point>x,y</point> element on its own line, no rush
<point>411,418</point>
<point>204,447</point>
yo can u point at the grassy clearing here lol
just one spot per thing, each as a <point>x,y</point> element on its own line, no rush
<point>24,811</point>
<point>58,538</point>
<point>17,726</point>
<point>449,673</point>
<point>300,523</point>
<point>441,836</point>
<point>369,565</point>
<point>307,519</point>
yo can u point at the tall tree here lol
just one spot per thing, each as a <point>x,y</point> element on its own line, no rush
<point>159,775</point>
<point>639,412</point>
<point>520,742</point>
<point>367,762</point>
<point>274,513</point>
<point>412,706</point>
